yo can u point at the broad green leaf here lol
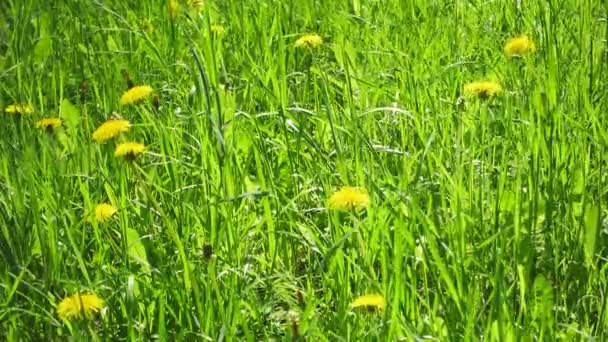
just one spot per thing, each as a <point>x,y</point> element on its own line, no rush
<point>542,305</point>
<point>71,119</point>
<point>112,44</point>
<point>44,46</point>
<point>136,249</point>
<point>83,48</point>
<point>66,143</point>
<point>70,114</point>
<point>592,217</point>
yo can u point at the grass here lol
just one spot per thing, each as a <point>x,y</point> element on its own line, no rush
<point>487,218</point>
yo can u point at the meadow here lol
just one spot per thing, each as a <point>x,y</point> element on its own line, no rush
<point>303,170</point>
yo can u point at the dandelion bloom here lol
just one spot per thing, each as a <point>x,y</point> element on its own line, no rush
<point>370,302</point>
<point>104,212</point>
<point>483,88</point>
<point>48,123</point>
<point>135,94</point>
<point>349,197</point>
<point>110,129</point>
<point>19,108</point>
<point>218,30</point>
<point>129,149</point>
<point>79,305</point>
<point>519,46</point>
<point>309,40</point>
<point>173,8</point>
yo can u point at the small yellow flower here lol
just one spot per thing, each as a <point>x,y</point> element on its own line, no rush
<point>519,46</point>
<point>19,108</point>
<point>135,94</point>
<point>48,123</point>
<point>79,305</point>
<point>370,302</point>
<point>129,149</point>
<point>309,40</point>
<point>349,197</point>
<point>218,30</point>
<point>104,212</point>
<point>173,8</point>
<point>483,88</point>
<point>110,129</point>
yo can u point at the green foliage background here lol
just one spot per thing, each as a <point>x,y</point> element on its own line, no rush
<point>487,218</point>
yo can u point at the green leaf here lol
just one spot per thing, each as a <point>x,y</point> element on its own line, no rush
<point>112,44</point>
<point>83,48</point>
<point>136,249</point>
<point>70,114</point>
<point>44,46</point>
<point>542,304</point>
<point>71,121</point>
<point>592,218</point>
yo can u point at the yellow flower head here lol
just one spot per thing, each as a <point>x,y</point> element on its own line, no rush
<point>104,212</point>
<point>129,149</point>
<point>349,197</point>
<point>483,88</point>
<point>110,129</point>
<point>135,94</point>
<point>19,108</point>
<point>48,123</point>
<point>519,46</point>
<point>370,302</point>
<point>79,305</point>
<point>173,8</point>
<point>218,30</point>
<point>309,40</point>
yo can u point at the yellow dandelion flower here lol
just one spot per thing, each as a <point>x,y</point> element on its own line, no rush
<point>19,108</point>
<point>173,8</point>
<point>309,40</point>
<point>218,30</point>
<point>48,123</point>
<point>519,46</point>
<point>110,129</point>
<point>104,212</point>
<point>483,88</point>
<point>370,302</point>
<point>79,305</point>
<point>129,149</point>
<point>349,197</point>
<point>135,94</point>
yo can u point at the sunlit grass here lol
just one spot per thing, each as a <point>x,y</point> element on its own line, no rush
<point>278,170</point>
